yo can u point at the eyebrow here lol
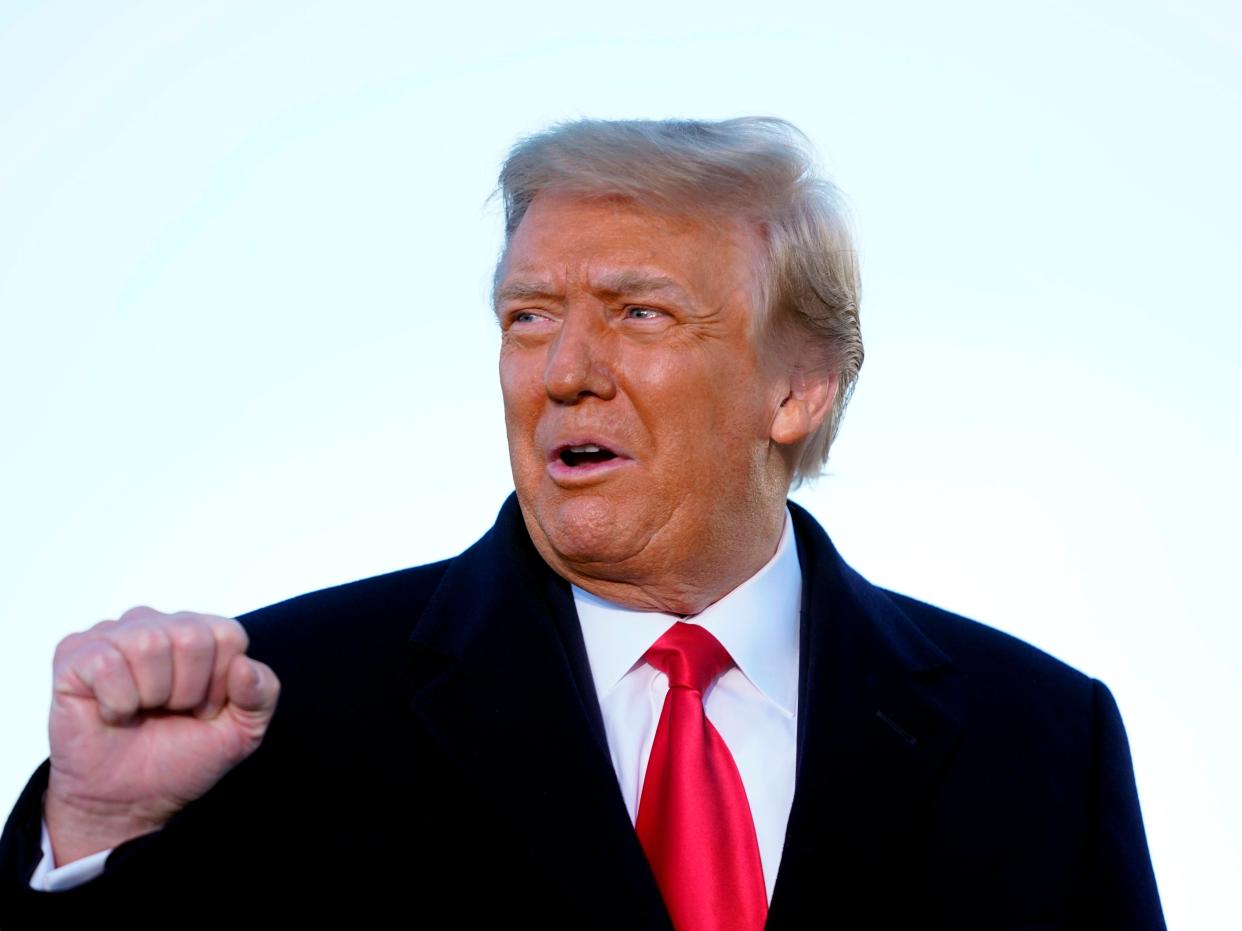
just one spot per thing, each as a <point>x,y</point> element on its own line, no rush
<point>524,291</point>
<point>613,284</point>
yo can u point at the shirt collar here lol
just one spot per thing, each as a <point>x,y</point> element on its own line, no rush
<point>757,622</point>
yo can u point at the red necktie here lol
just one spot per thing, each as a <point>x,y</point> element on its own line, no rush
<point>693,818</point>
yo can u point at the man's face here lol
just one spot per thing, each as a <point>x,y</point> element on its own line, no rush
<point>637,410</point>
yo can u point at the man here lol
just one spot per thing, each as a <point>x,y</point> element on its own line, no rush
<point>652,695</point>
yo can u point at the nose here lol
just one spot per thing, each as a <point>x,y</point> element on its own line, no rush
<point>578,360</point>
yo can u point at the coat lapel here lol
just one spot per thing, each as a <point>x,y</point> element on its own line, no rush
<point>870,741</point>
<point>502,683</point>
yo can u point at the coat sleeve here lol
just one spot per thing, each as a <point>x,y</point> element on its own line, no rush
<point>1120,886</point>
<point>20,853</point>
<point>146,879</point>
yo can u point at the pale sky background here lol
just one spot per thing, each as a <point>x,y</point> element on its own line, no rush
<point>246,349</point>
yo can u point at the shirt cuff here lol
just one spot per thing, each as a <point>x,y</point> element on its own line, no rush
<point>48,877</point>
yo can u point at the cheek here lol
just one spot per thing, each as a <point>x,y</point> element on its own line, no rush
<point>733,392</point>
<point>523,401</point>
<point>697,398</point>
<point>740,416</point>
<point>521,386</point>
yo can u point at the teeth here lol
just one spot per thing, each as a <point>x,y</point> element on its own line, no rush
<point>589,448</point>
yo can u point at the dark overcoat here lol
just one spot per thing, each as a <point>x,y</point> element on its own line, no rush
<point>438,760</point>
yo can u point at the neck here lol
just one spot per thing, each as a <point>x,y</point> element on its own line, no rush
<point>682,583</point>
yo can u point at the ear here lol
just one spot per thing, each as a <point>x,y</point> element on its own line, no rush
<point>804,407</point>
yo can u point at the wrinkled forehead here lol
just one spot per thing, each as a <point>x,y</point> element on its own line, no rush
<point>626,245</point>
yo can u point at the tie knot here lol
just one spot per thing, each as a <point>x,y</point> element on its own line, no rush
<point>689,655</point>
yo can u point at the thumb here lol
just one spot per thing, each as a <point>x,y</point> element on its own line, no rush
<point>252,688</point>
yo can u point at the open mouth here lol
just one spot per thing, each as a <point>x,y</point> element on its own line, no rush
<point>587,454</point>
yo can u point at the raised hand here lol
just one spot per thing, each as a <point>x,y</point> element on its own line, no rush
<point>148,712</point>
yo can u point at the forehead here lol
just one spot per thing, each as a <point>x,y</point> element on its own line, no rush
<point>612,244</point>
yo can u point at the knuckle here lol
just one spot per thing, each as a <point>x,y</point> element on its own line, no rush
<point>148,641</point>
<point>67,646</point>
<point>237,637</point>
<point>80,643</point>
<point>189,637</point>
<point>230,635</point>
<point>139,612</point>
<point>101,663</point>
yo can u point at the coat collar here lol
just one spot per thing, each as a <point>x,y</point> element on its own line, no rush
<point>503,683</point>
<point>870,741</point>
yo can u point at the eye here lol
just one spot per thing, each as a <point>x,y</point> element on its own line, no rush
<point>523,323</point>
<point>524,317</point>
<point>643,313</point>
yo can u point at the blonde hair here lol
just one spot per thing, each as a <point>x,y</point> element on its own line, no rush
<point>759,168</point>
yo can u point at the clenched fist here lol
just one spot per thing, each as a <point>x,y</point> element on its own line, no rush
<point>148,713</point>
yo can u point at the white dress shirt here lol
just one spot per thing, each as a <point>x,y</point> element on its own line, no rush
<point>753,705</point>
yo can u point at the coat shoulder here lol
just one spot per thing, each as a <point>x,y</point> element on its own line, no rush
<point>1043,757</point>
<point>975,647</point>
<point>338,623</point>
<point>996,677</point>
<point>929,637</point>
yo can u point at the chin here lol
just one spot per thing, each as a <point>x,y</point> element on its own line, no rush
<point>584,528</point>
